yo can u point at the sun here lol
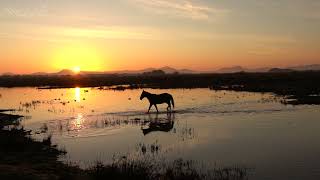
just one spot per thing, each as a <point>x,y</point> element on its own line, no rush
<point>76,69</point>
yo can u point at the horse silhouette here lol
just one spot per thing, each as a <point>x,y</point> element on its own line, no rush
<point>155,99</point>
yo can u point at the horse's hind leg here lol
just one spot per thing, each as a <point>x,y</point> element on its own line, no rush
<point>169,107</point>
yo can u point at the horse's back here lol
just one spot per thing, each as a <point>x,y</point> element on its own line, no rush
<point>162,98</point>
<point>166,94</point>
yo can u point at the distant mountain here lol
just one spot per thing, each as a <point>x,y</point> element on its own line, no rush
<point>187,71</point>
<point>166,69</point>
<point>264,69</point>
<point>40,74</point>
<point>130,71</point>
<point>233,69</point>
<point>312,67</point>
<point>279,70</point>
<point>60,73</point>
<point>169,70</point>
<point>155,73</point>
<point>91,72</point>
<point>8,74</point>
<point>64,72</point>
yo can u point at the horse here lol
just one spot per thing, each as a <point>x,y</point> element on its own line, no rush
<point>155,99</point>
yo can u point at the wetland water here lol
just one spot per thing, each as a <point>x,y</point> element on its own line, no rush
<point>216,128</point>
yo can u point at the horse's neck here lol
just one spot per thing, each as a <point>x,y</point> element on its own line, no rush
<point>149,96</point>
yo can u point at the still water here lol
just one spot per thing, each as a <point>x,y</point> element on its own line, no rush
<point>216,128</point>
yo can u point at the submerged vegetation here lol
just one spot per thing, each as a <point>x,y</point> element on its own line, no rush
<point>21,157</point>
<point>298,85</point>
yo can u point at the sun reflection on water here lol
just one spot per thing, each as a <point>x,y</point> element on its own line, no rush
<point>77,94</point>
<point>78,123</point>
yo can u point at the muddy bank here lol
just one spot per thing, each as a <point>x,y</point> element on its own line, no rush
<point>8,119</point>
<point>23,158</point>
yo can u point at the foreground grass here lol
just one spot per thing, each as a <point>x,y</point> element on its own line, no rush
<point>24,158</point>
<point>150,169</point>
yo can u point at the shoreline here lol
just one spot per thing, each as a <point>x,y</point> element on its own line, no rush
<point>298,88</point>
<point>21,157</point>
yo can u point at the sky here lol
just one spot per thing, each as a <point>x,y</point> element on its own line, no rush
<point>105,35</point>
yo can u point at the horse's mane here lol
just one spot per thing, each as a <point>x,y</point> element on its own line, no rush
<point>147,92</point>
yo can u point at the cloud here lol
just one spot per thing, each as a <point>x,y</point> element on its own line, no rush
<point>181,8</point>
<point>69,34</point>
<point>293,8</point>
<point>106,33</point>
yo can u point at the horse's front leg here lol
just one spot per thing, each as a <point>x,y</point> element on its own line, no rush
<point>149,107</point>
<point>156,108</point>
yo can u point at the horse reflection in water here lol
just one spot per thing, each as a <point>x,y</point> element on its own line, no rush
<point>159,124</point>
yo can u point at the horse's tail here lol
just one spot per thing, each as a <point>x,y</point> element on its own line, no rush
<point>172,101</point>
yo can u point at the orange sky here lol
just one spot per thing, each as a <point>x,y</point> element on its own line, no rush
<point>42,35</point>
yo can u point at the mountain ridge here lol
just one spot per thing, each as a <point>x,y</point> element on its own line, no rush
<point>170,70</point>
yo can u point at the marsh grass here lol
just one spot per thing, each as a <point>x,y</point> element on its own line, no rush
<point>152,169</point>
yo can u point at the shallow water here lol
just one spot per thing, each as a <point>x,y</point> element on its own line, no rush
<point>216,128</point>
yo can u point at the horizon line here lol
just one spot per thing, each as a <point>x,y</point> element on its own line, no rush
<point>163,67</point>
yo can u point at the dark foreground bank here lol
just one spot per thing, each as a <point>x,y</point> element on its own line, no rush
<point>21,157</point>
<point>296,87</point>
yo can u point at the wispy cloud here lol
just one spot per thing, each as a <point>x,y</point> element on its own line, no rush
<point>293,8</point>
<point>106,33</point>
<point>37,9</point>
<point>69,34</point>
<point>181,8</point>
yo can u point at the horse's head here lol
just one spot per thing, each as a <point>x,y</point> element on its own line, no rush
<point>143,95</point>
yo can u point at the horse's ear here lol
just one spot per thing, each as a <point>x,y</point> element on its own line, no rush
<point>143,91</point>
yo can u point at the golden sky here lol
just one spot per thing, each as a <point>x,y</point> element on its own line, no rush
<point>99,35</point>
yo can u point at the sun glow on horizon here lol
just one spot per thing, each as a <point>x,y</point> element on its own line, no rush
<point>76,56</point>
<point>76,69</point>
